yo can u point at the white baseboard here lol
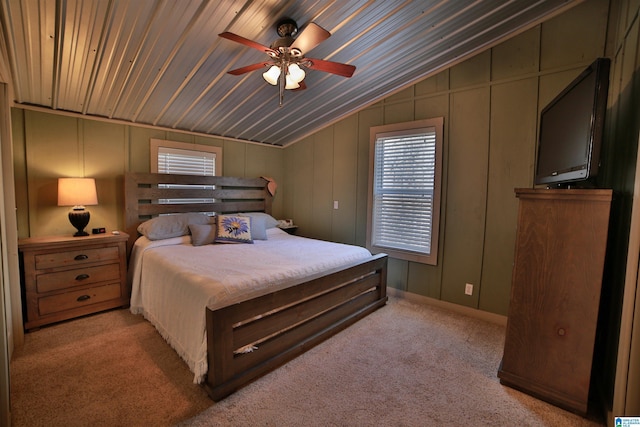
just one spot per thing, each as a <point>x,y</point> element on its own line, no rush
<point>468,311</point>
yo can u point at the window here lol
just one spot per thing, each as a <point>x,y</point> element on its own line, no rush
<point>404,190</point>
<point>187,159</point>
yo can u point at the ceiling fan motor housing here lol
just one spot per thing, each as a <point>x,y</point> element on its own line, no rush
<point>287,27</point>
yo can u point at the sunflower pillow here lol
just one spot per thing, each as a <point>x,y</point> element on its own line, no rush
<point>233,229</point>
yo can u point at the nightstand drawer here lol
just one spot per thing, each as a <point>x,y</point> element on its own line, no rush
<point>81,276</point>
<point>80,298</point>
<point>76,257</point>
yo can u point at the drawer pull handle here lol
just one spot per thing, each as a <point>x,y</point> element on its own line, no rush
<point>82,276</point>
<point>83,298</point>
<point>81,257</point>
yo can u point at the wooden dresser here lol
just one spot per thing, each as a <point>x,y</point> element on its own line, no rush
<point>555,294</point>
<point>65,277</point>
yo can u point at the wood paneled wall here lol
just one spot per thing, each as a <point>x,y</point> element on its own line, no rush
<point>618,362</point>
<point>49,146</point>
<point>490,104</point>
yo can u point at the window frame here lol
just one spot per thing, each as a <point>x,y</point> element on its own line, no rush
<point>399,129</point>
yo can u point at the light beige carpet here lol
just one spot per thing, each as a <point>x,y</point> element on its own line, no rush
<point>109,369</point>
<point>404,365</point>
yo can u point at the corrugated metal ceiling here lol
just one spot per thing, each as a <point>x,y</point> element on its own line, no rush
<point>162,63</point>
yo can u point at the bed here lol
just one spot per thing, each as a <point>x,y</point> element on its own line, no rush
<point>229,323</point>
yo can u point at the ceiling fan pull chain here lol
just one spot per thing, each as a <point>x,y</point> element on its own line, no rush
<point>283,76</point>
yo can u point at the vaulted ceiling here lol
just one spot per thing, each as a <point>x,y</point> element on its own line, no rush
<point>161,62</point>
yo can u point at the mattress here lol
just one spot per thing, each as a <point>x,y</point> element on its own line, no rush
<point>172,281</point>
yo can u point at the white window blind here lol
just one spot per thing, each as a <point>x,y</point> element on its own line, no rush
<point>187,162</point>
<point>405,193</point>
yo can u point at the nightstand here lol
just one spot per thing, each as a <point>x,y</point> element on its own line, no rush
<point>65,277</point>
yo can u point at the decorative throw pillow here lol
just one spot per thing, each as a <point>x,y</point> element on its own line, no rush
<point>167,226</point>
<point>202,234</point>
<point>233,229</point>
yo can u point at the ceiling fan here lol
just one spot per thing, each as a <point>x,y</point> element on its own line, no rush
<point>287,61</point>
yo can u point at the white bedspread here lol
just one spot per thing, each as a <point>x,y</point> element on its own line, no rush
<point>173,281</point>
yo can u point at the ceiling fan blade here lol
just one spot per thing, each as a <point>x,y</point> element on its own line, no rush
<point>311,36</point>
<point>249,68</point>
<point>239,39</point>
<point>338,68</point>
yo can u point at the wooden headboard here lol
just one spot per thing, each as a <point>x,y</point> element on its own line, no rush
<point>231,194</point>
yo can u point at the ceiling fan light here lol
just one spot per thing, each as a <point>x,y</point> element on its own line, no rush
<point>271,75</point>
<point>290,83</point>
<point>297,74</point>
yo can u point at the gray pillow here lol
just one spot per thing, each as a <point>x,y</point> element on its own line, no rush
<point>167,226</point>
<point>258,227</point>
<point>269,221</point>
<point>202,234</point>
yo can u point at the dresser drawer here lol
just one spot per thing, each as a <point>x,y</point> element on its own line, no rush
<point>80,276</point>
<point>75,257</point>
<point>75,299</point>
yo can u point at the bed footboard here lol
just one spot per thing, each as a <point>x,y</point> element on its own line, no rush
<point>250,338</point>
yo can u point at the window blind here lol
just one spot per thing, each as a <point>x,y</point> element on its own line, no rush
<point>186,162</point>
<point>403,191</point>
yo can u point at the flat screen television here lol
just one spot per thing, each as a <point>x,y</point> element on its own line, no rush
<point>571,128</point>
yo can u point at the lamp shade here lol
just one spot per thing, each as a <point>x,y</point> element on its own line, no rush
<point>77,192</point>
<point>297,74</point>
<point>290,83</point>
<point>272,74</point>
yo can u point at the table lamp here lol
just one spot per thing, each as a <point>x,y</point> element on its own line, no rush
<point>77,192</point>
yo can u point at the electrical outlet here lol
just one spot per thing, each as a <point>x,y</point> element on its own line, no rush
<point>468,289</point>
<point>335,204</point>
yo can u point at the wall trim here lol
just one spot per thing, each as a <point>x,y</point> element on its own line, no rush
<point>457,308</point>
<point>135,124</point>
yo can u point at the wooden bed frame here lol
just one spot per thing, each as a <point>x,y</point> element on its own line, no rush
<point>281,324</point>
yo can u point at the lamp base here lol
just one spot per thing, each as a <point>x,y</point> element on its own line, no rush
<point>79,218</point>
